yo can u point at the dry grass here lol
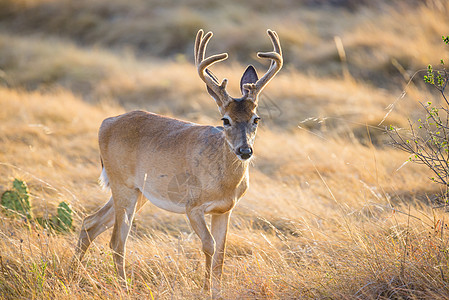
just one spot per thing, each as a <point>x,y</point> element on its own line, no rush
<point>332,212</point>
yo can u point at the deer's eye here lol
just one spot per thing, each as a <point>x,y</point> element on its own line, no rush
<point>226,122</point>
<point>256,120</point>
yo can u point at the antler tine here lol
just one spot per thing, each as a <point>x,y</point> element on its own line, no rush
<point>276,64</point>
<point>202,64</point>
<point>211,61</point>
<point>199,37</point>
<point>202,44</point>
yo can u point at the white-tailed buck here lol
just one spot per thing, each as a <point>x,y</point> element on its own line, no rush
<point>181,166</point>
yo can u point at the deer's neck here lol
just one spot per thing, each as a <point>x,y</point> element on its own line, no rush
<point>214,159</point>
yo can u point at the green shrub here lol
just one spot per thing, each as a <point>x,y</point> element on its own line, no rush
<point>427,141</point>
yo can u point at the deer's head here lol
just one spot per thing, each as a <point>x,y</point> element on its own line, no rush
<point>239,115</point>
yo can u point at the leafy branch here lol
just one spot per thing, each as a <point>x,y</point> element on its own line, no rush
<point>427,139</point>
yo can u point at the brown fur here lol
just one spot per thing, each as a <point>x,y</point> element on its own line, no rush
<point>241,111</point>
<point>179,166</point>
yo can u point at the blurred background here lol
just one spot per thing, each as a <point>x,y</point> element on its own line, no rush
<point>325,184</point>
<point>139,53</point>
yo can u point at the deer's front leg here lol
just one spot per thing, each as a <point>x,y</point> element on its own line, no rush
<point>219,228</point>
<point>198,223</point>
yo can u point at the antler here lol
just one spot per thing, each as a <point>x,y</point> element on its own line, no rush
<point>276,64</point>
<point>202,64</point>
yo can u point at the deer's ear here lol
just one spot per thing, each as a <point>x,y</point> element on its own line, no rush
<point>249,76</point>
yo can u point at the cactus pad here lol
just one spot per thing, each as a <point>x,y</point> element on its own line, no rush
<point>17,200</point>
<point>64,216</point>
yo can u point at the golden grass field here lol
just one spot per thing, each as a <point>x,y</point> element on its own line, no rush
<point>332,211</point>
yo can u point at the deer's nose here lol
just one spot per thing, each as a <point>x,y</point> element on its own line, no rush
<point>245,152</point>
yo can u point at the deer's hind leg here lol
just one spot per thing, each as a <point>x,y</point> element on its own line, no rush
<point>93,226</point>
<point>126,202</point>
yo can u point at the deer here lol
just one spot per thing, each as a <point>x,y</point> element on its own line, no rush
<point>181,166</point>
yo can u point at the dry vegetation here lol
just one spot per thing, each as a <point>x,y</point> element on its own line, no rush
<point>332,212</point>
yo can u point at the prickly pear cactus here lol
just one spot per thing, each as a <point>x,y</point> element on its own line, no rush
<point>64,216</point>
<point>17,200</point>
<point>22,188</point>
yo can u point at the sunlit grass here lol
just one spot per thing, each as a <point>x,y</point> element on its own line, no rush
<point>332,210</point>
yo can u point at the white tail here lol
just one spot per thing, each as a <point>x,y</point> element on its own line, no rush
<point>180,166</point>
<point>104,180</point>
